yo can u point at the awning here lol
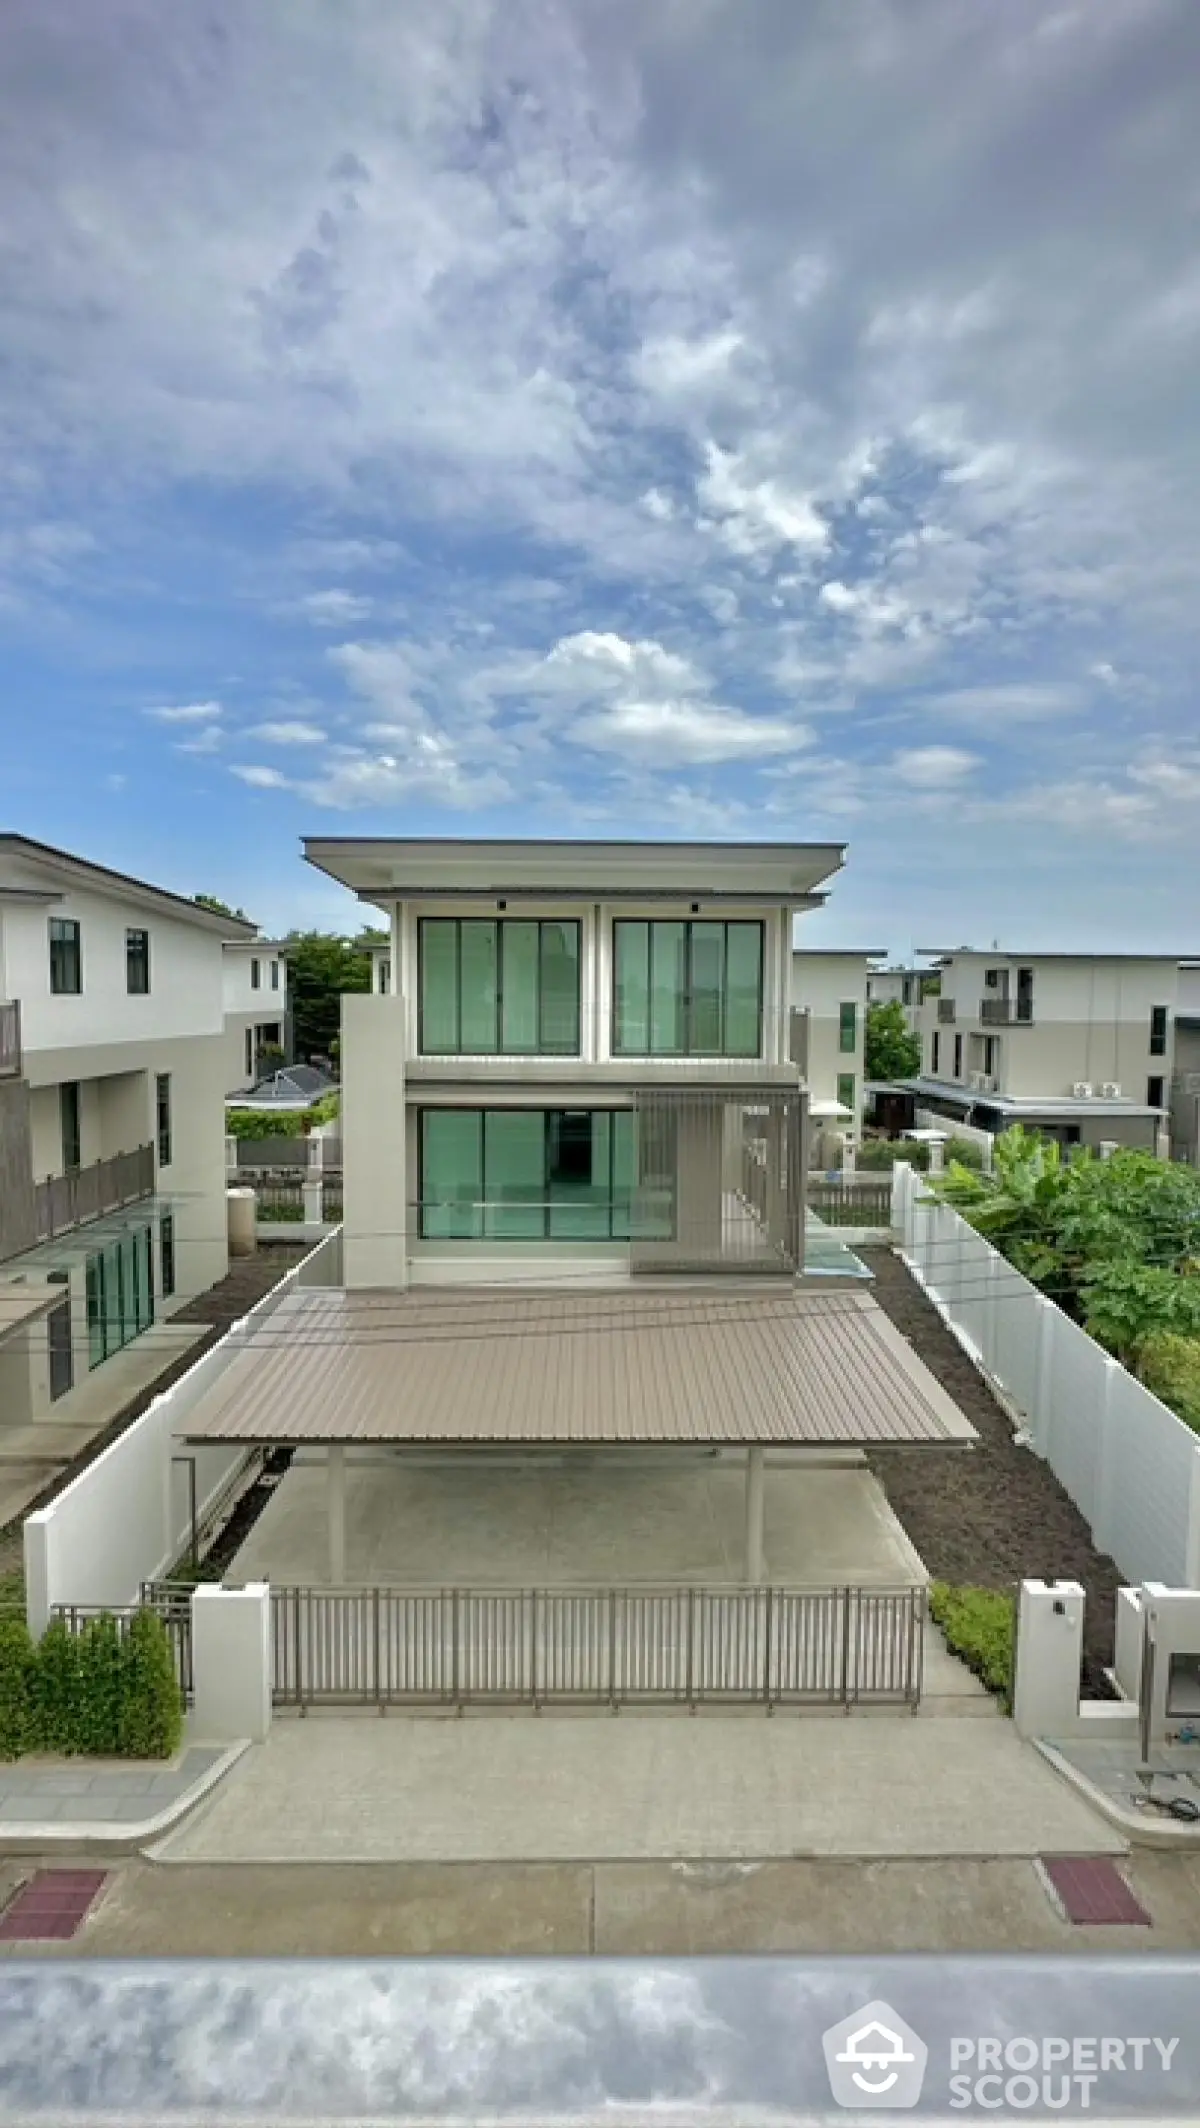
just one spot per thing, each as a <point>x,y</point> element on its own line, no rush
<point>703,1367</point>
<point>22,1303</point>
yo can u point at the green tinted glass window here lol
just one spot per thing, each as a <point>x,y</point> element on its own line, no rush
<point>451,1174</point>
<point>514,1174</point>
<point>743,990</point>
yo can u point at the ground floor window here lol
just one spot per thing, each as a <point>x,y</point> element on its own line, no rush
<point>166,1254</point>
<point>845,1090</point>
<point>120,1294</point>
<point>58,1338</point>
<point>524,1174</point>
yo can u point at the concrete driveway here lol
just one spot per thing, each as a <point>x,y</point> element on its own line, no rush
<point>637,1788</point>
<point>503,1520</point>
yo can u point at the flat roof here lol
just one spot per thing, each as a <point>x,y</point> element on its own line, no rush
<point>376,867</point>
<point>841,953</point>
<point>85,873</point>
<point>1015,1104</point>
<point>744,1368</point>
<point>1038,953</point>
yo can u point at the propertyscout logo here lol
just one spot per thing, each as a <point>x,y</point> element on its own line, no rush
<point>874,2058</point>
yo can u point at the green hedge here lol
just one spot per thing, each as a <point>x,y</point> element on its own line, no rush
<point>101,1692</point>
<point>1169,1365</point>
<point>980,1626</point>
<point>885,1152</point>
<point>264,1122</point>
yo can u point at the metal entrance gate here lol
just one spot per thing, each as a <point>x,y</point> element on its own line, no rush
<point>392,1647</point>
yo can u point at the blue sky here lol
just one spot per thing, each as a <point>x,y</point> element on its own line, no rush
<point>720,417</point>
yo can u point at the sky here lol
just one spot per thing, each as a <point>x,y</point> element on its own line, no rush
<point>714,418</point>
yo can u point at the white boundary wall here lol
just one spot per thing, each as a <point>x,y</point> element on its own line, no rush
<point>126,1518</point>
<point>1131,1467</point>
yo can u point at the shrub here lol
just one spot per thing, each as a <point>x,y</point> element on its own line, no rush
<point>965,1151</point>
<point>151,1723</point>
<point>57,1689</point>
<point>18,1713</point>
<point>980,1626</point>
<point>101,1676</point>
<point>1170,1366</point>
<point>885,1152</point>
<point>263,1122</point>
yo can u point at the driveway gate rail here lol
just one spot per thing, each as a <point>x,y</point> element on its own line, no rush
<point>610,1647</point>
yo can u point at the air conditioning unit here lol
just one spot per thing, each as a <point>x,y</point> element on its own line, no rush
<point>1082,1090</point>
<point>1110,1090</point>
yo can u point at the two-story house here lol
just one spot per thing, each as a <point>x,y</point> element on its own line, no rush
<point>257,1030</point>
<point>1077,1044</point>
<point>112,1070</point>
<point>585,1057</point>
<point>832,988</point>
<point>898,985</point>
<point>1185,1075</point>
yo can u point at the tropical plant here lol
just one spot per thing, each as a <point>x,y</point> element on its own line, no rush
<point>890,1049</point>
<point>218,907</point>
<point>321,968</point>
<point>1169,1365</point>
<point>1126,1304</point>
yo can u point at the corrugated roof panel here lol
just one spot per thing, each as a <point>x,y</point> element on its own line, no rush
<point>737,1367</point>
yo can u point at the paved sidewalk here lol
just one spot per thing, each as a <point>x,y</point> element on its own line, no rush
<point>637,1788</point>
<point>89,1796</point>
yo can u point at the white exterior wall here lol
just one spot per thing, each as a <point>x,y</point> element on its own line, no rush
<point>186,983</point>
<point>1091,1023</point>
<point>821,984</point>
<point>373,1140</point>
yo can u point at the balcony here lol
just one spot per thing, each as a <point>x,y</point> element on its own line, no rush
<point>1006,1012</point>
<point>66,1201</point>
<point>10,1040</point>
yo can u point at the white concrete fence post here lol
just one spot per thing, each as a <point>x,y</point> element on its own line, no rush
<point>849,1154</point>
<point>937,1157</point>
<point>231,1663</point>
<point>1049,1654</point>
<point>313,1186</point>
<point>231,1156</point>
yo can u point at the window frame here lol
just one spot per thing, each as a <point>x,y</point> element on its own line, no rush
<point>255,972</point>
<point>541,1047</point>
<point>849,1007</point>
<point>137,960</point>
<point>65,944</point>
<point>166,1255</point>
<point>623,1048</point>
<point>163,1118</point>
<point>69,1099</point>
<point>935,1052</point>
<point>848,1079</point>
<point>616,1204</point>
<point>275,975</point>
<point>1159,1023</point>
<point>1155,1100</point>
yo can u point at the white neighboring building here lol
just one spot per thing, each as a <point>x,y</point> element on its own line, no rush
<point>1080,1044</point>
<point>584,1063</point>
<point>112,1070</point>
<point>832,987</point>
<point>902,986</point>
<point>255,989</point>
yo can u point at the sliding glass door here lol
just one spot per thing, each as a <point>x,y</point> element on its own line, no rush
<point>527,1174</point>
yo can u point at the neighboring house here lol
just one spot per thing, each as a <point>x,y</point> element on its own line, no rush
<point>112,1068</point>
<point>296,1086</point>
<point>585,1056</point>
<point>903,986</point>
<point>832,987</point>
<point>1078,1044</point>
<point>1185,1077</point>
<point>256,1009</point>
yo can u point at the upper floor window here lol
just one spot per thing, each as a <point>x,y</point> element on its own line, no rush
<point>848,1028</point>
<point>72,1135</point>
<point>274,975</point>
<point>687,989</point>
<point>1158,1030</point>
<point>162,1116</point>
<point>498,987</point>
<point>255,973</point>
<point>935,1053</point>
<point>66,957</point>
<point>137,963</point>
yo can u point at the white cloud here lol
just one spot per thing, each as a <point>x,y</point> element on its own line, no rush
<point>679,732</point>
<point>756,514</point>
<point>1011,702</point>
<point>288,732</point>
<point>208,739</point>
<point>334,608</point>
<point>185,712</point>
<point>259,777</point>
<point>934,768</point>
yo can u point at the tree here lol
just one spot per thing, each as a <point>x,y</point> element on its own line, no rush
<point>219,907</point>
<point>321,968</point>
<point>891,1050</point>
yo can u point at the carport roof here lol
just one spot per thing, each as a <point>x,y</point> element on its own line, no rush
<point>703,1367</point>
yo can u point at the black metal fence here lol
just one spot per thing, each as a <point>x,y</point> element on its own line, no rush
<point>851,1201</point>
<point>611,1647</point>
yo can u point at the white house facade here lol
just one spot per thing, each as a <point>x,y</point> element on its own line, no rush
<point>111,1115</point>
<point>832,989</point>
<point>585,1062</point>
<point>255,996</point>
<point>1080,1044</point>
